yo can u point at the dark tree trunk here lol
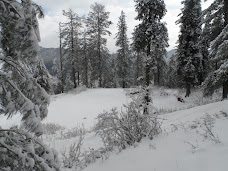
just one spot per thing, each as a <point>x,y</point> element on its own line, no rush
<point>158,75</point>
<point>124,84</point>
<point>78,78</point>
<point>86,68</point>
<point>225,90</point>
<point>74,76</point>
<point>99,53</point>
<point>188,89</point>
<point>225,83</point>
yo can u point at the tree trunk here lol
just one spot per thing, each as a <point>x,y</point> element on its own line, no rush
<point>78,78</point>
<point>188,89</point>
<point>158,75</point>
<point>124,84</point>
<point>225,83</point>
<point>74,76</point>
<point>99,53</point>
<point>225,90</point>
<point>86,68</point>
<point>61,58</point>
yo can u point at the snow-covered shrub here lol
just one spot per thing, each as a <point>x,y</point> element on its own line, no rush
<point>126,127</point>
<point>52,128</point>
<point>74,132</point>
<point>20,151</point>
<point>72,158</point>
<point>77,159</point>
<point>207,126</point>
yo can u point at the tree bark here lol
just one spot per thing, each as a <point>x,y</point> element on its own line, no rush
<point>225,83</point>
<point>188,89</point>
<point>225,90</point>
<point>158,72</point>
<point>86,67</point>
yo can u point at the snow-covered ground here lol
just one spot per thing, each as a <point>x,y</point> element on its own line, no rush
<point>71,110</point>
<point>181,146</point>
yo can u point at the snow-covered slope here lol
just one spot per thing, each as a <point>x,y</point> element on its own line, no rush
<point>179,148</point>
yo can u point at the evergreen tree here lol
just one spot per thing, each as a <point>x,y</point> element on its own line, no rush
<point>188,52</point>
<point>218,50</point>
<point>123,54</point>
<point>71,44</point>
<point>97,24</point>
<point>150,36</point>
<point>20,91</point>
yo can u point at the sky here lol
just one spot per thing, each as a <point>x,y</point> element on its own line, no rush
<point>53,15</point>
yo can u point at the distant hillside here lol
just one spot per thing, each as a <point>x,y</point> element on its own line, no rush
<point>170,54</point>
<point>48,55</point>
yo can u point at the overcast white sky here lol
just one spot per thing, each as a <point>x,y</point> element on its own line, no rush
<point>53,15</point>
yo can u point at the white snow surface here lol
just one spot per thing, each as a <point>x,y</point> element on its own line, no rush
<point>170,151</point>
<point>71,110</point>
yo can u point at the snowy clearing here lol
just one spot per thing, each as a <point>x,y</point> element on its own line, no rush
<point>182,149</point>
<point>179,147</point>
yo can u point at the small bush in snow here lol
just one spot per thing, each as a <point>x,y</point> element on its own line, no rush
<point>207,126</point>
<point>52,128</point>
<point>20,151</point>
<point>72,158</point>
<point>125,128</point>
<point>77,159</point>
<point>74,132</point>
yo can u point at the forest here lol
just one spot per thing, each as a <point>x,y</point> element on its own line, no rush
<point>138,72</point>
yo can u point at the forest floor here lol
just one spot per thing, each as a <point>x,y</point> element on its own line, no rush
<point>185,144</point>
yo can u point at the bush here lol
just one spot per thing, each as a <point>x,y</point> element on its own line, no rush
<point>52,128</point>
<point>123,129</point>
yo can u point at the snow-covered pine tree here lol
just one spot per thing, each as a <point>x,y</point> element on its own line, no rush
<point>218,49</point>
<point>43,77</point>
<point>188,50</point>
<point>97,24</point>
<point>123,54</point>
<point>71,31</point>
<point>19,90</point>
<point>150,36</point>
<point>85,60</point>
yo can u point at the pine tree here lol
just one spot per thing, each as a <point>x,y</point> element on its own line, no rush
<point>218,50</point>
<point>97,24</point>
<point>85,61</point>
<point>71,44</point>
<point>123,54</point>
<point>150,36</point>
<point>20,91</point>
<point>188,52</point>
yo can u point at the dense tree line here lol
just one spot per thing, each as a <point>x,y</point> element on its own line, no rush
<point>85,59</point>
